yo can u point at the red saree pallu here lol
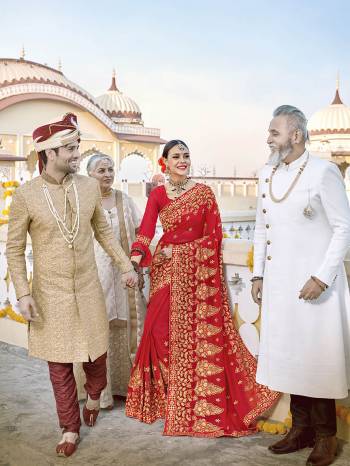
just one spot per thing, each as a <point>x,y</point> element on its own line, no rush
<point>192,367</point>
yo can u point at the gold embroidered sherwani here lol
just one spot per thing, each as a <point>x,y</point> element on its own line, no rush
<point>73,322</point>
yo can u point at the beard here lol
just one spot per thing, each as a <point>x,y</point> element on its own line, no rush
<point>279,154</point>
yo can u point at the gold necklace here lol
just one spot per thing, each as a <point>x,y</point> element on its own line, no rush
<point>178,186</point>
<point>107,193</point>
<point>69,234</point>
<point>290,189</point>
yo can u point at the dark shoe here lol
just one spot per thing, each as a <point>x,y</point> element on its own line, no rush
<point>90,416</point>
<point>324,452</point>
<point>67,448</point>
<point>296,439</point>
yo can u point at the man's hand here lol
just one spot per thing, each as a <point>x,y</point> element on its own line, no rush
<point>311,290</point>
<point>28,308</point>
<point>256,291</point>
<point>130,279</point>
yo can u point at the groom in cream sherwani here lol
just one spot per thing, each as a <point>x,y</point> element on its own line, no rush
<point>302,234</point>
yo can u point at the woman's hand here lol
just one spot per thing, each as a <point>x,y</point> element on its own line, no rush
<point>166,252</point>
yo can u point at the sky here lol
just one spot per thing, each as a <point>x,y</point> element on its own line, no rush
<point>208,72</point>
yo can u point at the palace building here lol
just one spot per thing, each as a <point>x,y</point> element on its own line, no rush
<point>31,94</point>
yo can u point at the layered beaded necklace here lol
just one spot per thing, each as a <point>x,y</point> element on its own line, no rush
<point>69,234</point>
<point>294,182</point>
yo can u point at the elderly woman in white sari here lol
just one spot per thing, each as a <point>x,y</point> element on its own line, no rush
<point>125,307</point>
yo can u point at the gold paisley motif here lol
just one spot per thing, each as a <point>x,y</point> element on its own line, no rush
<point>205,330</point>
<point>205,310</point>
<point>205,388</point>
<point>203,273</point>
<point>203,426</point>
<point>204,254</point>
<point>204,291</point>
<point>206,369</point>
<point>205,349</point>
<point>203,408</point>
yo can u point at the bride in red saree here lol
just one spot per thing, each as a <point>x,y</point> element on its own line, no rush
<point>191,367</point>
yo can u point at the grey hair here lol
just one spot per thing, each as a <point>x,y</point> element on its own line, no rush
<point>296,118</point>
<point>95,159</point>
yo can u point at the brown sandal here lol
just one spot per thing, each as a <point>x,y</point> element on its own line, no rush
<point>90,416</point>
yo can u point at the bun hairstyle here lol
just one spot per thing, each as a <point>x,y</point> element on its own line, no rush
<point>168,146</point>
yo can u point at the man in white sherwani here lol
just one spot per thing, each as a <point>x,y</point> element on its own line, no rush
<point>302,234</point>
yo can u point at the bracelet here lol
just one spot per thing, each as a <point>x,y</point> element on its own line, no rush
<point>136,266</point>
<point>323,287</point>
<point>255,279</point>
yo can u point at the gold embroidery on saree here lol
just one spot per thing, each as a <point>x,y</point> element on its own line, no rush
<point>205,349</point>
<point>205,310</point>
<point>192,202</point>
<point>204,254</point>
<point>143,240</point>
<point>203,409</point>
<point>205,330</point>
<point>203,273</point>
<point>205,388</point>
<point>206,369</point>
<point>135,379</point>
<point>203,426</point>
<point>204,292</point>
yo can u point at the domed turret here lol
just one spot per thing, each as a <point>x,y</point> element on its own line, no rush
<point>119,107</point>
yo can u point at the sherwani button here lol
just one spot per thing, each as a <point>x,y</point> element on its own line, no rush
<point>269,258</point>
<point>267,180</point>
<point>267,226</point>
<point>264,195</point>
<point>268,242</point>
<point>264,211</point>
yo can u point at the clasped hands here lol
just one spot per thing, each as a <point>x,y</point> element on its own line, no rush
<point>130,279</point>
<point>312,289</point>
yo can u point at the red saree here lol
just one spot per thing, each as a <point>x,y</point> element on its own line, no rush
<point>191,367</point>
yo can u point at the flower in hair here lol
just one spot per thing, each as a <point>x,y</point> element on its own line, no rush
<point>162,165</point>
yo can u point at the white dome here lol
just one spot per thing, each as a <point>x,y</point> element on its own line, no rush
<point>334,119</point>
<point>119,107</point>
<point>20,71</point>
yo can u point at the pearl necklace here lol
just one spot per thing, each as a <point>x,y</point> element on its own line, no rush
<point>289,190</point>
<point>178,186</point>
<point>69,234</point>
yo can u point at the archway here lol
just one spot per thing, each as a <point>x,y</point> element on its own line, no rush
<point>135,168</point>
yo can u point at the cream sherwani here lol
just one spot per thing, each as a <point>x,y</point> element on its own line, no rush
<point>304,345</point>
<point>73,323</point>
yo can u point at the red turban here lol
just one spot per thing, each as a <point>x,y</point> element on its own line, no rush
<point>57,134</point>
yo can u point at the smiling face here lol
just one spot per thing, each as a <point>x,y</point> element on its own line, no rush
<point>104,172</point>
<point>65,159</point>
<point>178,161</point>
<point>281,137</point>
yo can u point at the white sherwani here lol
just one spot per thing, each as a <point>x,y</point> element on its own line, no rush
<point>304,345</point>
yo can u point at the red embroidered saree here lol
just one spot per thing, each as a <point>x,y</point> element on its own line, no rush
<point>191,367</point>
